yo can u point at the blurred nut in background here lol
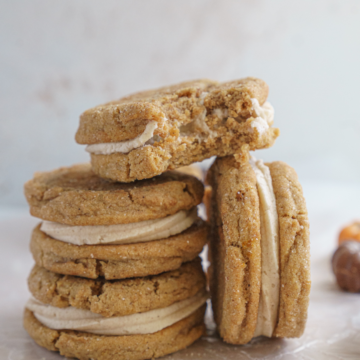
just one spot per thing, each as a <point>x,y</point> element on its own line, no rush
<point>346,265</point>
<point>350,232</point>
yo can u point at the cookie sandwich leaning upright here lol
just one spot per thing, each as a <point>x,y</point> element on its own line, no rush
<point>259,249</point>
<point>147,133</point>
<point>117,272</point>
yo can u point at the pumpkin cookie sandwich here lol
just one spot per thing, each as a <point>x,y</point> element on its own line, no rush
<point>94,228</point>
<point>147,133</point>
<point>139,318</point>
<point>259,249</point>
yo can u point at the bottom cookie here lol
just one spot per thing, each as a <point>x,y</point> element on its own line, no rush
<point>86,346</point>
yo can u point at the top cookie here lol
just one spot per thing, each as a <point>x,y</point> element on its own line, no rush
<point>76,196</point>
<point>145,134</point>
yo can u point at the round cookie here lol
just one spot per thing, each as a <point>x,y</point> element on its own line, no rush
<point>118,261</point>
<point>83,345</point>
<point>120,297</point>
<point>235,218</point>
<point>76,196</point>
<point>234,249</point>
<point>294,240</point>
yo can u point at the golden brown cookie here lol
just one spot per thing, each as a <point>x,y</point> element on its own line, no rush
<point>181,124</point>
<point>83,345</point>
<point>294,237</point>
<point>119,297</point>
<point>118,261</point>
<point>235,252</point>
<point>76,196</point>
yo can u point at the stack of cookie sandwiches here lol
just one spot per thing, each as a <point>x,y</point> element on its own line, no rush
<point>117,272</point>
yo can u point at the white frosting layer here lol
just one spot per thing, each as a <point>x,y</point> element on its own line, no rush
<point>142,231</point>
<point>149,322</point>
<point>202,97</point>
<point>270,278</point>
<point>124,146</point>
<point>264,116</point>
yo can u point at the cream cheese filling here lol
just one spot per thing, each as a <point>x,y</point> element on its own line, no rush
<point>221,113</point>
<point>124,146</point>
<point>149,322</point>
<point>269,228</point>
<point>264,116</point>
<point>142,231</point>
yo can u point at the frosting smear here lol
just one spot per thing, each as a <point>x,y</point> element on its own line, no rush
<point>124,146</point>
<point>142,231</point>
<point>264,116</point>
<point>149,322</point>
<point>269,228</point>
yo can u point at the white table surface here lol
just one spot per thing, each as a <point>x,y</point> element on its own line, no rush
<point>333,327</point>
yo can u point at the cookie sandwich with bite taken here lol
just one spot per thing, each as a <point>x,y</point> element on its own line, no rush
<point>147,133</point>
<point>259,249</point>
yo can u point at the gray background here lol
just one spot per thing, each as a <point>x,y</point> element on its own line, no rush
<point>59,58</point>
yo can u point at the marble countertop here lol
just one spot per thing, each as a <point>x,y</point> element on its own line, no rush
<point>333,327</point>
